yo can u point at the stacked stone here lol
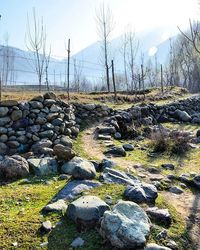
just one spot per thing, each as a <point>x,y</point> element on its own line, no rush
<point>43,118</point>
<point>187,110</point>
<point>91,111</point>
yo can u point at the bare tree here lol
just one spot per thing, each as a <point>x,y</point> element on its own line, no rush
<point>105,26</point>
<point>8,56</point>
<point>36,42</point>
<point>124,52</point>
<point>133,46</point>
<point>77,75</point>
<point>194,34</point>
<point>47,60</point>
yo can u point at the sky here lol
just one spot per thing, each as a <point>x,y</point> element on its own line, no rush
<point>75,19</point>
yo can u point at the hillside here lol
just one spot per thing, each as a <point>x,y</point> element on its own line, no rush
<point>21,68</point>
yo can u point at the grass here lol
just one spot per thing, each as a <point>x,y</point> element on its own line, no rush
<point>20,217</point>
<point>177,231</point>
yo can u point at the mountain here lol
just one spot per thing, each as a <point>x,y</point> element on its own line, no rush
<point>19,64</point>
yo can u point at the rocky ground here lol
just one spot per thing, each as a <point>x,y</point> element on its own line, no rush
<point>88,176</point>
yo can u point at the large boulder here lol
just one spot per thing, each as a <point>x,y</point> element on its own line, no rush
<point>43,166</point>
<point>141,193</point>
<point>126,226</point>
<point>75,187</point>
<point>63,152</point>
<point>87,210</point>
<point>114,176</point>
<point>13,167</point>
<point>79,168</point>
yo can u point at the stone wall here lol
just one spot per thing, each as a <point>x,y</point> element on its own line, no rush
<point>47,118</point>
<point>44,117</point>
<point>187,110</point>
<point>84,112</point>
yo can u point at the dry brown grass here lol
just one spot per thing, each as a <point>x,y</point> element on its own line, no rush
<point>124,100</point>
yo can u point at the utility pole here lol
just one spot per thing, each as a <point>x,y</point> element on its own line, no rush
<point>113,78</point>
<point>161,78</point>
<point>142,73</point>
<point>68,61</point>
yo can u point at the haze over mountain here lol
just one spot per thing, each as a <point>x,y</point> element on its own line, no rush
<point>88,59</point>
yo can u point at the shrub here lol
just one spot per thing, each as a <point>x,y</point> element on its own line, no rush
<point>175,141</point>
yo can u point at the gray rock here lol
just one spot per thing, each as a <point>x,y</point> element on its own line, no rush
<point>41,120</point>
<point>118,136</point>
<point>49,102</point>
<point>46,134</point>
<point>8,103</point>
<point>182,115</point>
<point>79,168</point>
<point>58,206</point>
<point>3,148</point>
<point>116,151</point>
<point>36,104</point>
<point>128,147</point>
<point>107,130</point>
<point>14,167</point>
<point>4,120</point>
<point>65,141</point>
<point>78,242</point>
<point>111,176</point>
<point>105,163</point>
<point>57,122</point>
<point>55,108</point>
<point>168,166</point>
<point>3,111</point>
<point>36,147</point>
<point>104,137</point>
<point>176,190</point>
<point>196,181</point>
<point>126,226</point>
<point>50,95</point>
<point>89,106</point>
<point>153,246</point>
<point>46,226</point>
<point>63,152</point>
<point>13,144</point>
<point>16,115</point>
<point>141,193</point>
<point>198,133</point>
<point>74,188</point>
<point>3,138</point>
<point>43,166</point>
<point>87,210</point>
<point>3,130</point>
<point>159,215</point>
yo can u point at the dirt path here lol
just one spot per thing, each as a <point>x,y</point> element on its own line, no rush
<point>187,204</point>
